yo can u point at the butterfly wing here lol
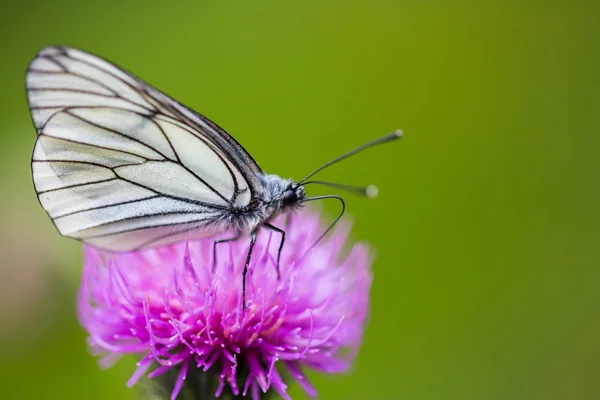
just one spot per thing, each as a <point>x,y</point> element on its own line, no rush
<point>122,166</point>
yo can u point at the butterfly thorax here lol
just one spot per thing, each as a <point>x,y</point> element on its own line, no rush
<point>277,195</point>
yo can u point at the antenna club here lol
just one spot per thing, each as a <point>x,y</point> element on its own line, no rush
<point>398,133</point>
<point>371,191</point>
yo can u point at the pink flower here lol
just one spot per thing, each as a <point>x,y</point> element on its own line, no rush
<point>166,305</point>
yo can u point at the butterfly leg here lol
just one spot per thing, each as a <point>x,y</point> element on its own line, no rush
<point>232,239</point>
<point>282,232</point>
<point>252,241</point>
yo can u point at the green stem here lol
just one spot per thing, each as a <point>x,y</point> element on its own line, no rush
<point>198,385</point>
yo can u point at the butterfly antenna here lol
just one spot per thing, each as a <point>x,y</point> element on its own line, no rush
<point>335,221</point>
<point>370,191</point>
<point>384,139</point>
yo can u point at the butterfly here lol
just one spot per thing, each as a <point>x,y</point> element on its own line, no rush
<point>121,166</point>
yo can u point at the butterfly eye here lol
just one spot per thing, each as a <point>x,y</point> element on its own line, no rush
<point>289,197</point>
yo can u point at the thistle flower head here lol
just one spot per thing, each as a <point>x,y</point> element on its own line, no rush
<point>168,306</point>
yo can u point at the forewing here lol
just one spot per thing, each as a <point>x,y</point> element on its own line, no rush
<point>122,166</point>
<point>61,78</point>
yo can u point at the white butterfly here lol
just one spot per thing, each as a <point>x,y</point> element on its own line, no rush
<point>121,166</point>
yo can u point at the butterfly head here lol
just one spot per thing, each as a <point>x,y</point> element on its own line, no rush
<point>282,193</point>
<point>293,195</point>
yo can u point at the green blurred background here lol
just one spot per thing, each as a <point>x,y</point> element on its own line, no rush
<point>487,228</point>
